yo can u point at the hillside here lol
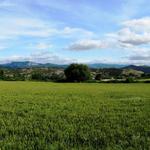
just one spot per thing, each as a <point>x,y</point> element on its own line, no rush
<point>145,69</point>
<point>29,64</point>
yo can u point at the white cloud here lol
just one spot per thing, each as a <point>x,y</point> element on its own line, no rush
<point>40,46</point>
<point>87,45</point>
<point>39,57</point>
<point>134,33</point>
<point>17,27</point>
<point>129,37</point>
<point>14,31</point>
<point>142,24</point>
<point>77,32</point>
<point>134,37</point>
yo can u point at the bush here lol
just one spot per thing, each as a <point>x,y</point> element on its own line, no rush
<point>98,77</point>
<point>77,73</point>
<point>148,81</point>
<point>58,77</point>
<point>36,76</point>
<point>129,80</point>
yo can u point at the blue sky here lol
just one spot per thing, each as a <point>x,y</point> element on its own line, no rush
<point>84,31</point>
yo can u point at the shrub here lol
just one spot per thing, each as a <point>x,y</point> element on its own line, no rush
<point>77,73</point>
<point>129,80</point>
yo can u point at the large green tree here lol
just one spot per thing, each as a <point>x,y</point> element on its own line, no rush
<point>77,73</point>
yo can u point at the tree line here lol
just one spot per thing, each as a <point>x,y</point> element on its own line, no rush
<point>73,73</point>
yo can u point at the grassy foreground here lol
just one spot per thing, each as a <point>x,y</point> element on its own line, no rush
<point>36,115</point>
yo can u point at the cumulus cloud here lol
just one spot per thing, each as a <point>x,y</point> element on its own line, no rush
<point>138,24</point>
<point>131,38</point>
<point>135,38</point>
<point>87,45</point>
<point>134,33</point>
<point>127,38</point>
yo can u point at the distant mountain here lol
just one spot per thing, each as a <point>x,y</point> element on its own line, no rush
<point>24,64</point>
<point>101,65</point>
<point>145,69</point>
<point>53,65</point>
<point>28,64</point>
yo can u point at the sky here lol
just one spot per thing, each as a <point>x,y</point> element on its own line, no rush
<point>75,31</point>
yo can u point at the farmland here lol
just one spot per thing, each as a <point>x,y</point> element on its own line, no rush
<point>42,115</point>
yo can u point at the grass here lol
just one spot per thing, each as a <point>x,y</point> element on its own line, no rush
<point>53,116</point>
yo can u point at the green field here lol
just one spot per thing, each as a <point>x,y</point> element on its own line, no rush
<point>36,115</point>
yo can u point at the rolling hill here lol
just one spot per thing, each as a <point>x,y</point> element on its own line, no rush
<point>29,64</point>
<point>145,69</point>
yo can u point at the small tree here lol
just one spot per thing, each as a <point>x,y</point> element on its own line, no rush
<point>77,73</point>
<point>98,77</point>
<point>129,80</point>
<point>36,76</point>
<point>1,74</point>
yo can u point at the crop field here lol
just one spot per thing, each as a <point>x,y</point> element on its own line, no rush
<point>65,116</point>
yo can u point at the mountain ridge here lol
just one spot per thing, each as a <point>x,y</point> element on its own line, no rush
<point>30,64</point>
<point>145,69</point>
